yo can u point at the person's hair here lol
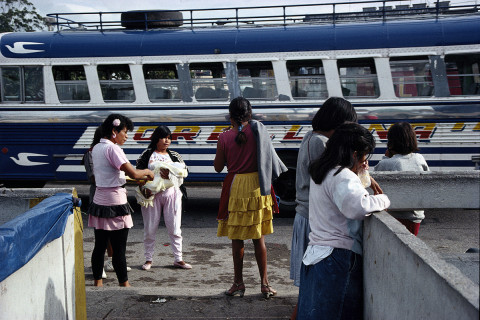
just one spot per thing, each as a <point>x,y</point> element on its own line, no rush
<point>111,123</point>
<point>347,139</point>
<point>402,138</point>
<point>240,111</point>
<point>159,133</point>
<point>96,136</point>
<point>333,113</point>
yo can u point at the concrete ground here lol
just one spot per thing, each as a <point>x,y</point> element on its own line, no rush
<point>168,293</point>
<point>165,292</point>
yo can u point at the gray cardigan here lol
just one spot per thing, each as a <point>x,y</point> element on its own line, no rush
<point>407,162</point>
<point>269,164</point>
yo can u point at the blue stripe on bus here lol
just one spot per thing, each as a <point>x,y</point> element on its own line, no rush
<point>393,34</point>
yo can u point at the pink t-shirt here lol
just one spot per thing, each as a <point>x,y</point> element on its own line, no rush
<point>107,160</point>
<point>240,158</point>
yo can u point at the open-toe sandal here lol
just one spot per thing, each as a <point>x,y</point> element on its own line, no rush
<point>268,291</point>
<point>237,288</point>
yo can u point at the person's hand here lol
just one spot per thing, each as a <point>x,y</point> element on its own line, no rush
<point>164,173</point>
<point>149,175</point>
<point>375,186</point>
<point>147,193</point>
<point>365,165</point>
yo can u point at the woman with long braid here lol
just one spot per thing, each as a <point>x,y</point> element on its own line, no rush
<point>247,202</point>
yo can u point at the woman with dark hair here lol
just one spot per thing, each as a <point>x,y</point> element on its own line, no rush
<point>401,155</point>
<point>87,162</point>
<point>167,200</point>
<point>110,213</point>
<point>331,114</point>
<point>331,285</point>
<point>246,203</point>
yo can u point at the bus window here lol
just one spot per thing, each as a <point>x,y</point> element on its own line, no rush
<point>463,73</point>
<point>116,83</point>
<point>209,81</point>
<point>307,79</point>
<point>22,84</point>
<point>411,77</point>
<point>257,80</point>
<point>71,84</point>
<point>358,78</point>
<point>162,82</point>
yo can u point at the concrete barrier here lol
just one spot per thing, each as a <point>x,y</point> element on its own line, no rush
<point>403,277</point>
<point>51,285</point>
<point>431,189</point>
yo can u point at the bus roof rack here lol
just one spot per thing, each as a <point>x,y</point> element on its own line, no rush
<point>323,13</point>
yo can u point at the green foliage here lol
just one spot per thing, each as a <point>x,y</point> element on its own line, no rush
<point>114,72</point>
<point>69,73</point>
<point>154,71</point>
<point>19,15</point>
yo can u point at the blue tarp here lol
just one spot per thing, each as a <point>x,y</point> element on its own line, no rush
<point>22,237</point>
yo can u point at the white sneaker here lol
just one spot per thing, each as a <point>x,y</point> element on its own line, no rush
<point>109,266</point>
<point>104,275</point>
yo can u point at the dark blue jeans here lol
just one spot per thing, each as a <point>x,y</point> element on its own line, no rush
<point>333,288</point>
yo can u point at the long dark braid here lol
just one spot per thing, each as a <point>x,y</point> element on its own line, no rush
<point>240,111</point>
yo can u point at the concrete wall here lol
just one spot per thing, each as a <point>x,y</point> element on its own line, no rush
<point>431,189</point>
<point>52,284</point>
<point>44,287</point>
<point>403,277</point>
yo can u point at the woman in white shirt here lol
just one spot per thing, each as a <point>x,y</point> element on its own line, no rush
<point>331,284</point>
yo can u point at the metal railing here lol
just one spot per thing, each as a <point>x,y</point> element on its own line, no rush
<point>263,15</point>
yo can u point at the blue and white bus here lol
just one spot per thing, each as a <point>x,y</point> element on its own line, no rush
<point>181,68</point>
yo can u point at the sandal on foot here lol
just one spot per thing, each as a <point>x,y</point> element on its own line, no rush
<point>236,288</point>
<point>178,264</point>
<point>268,291</point>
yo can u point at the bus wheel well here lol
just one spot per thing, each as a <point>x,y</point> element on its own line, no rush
<point>284,185</point>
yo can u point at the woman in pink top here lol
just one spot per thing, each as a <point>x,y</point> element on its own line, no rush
<point>110,212</point>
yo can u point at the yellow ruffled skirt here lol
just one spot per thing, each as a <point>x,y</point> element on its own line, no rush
<point>250,213</point>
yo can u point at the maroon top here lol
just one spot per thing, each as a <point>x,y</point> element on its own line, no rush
<point>240,158</point>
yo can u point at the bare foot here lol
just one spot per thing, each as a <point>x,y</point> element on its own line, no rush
<point>125,284</point>
<point>98,283</point>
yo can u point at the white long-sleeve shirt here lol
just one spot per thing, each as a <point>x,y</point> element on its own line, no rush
<point>337,207</point>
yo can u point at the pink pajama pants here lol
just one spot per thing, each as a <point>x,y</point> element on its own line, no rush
<point>170,203</point>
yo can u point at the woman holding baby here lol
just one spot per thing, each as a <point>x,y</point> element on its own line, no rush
<point>158,158</point>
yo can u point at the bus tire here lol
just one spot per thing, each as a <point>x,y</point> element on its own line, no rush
<point>151,19</point>
<point>284,187</point>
